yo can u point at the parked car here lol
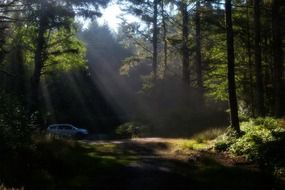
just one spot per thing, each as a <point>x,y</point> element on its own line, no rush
<point>67,130</point>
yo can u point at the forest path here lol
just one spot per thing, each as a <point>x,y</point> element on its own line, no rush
<point>161,164</point>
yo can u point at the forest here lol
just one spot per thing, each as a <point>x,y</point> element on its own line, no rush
<point>180,94</point>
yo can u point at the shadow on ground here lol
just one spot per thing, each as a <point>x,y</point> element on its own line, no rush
<point>156,169</point>
<point>132,165</point>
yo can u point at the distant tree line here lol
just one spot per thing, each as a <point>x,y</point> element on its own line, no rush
<point>227,50</point>
<point>186,58</point>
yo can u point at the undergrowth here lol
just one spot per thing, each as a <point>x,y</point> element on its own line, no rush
<point>59,164</point>
<point>2,187</point>
<point>202,140</point>
<point>262,142</point>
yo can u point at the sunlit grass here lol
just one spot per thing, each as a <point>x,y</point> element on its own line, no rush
<point>190,144</point>
<point>208,135</point>
<point>200,141</point>
<point>108,147</point>
<point>2,187</point>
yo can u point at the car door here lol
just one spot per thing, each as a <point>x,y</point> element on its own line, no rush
<point>73,131</point>
<point>59,130</point>
<point>55,130</point>
<point>69,131</point>
<point>63,131</point>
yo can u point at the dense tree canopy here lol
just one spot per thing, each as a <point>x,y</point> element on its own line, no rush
<point>182,69</point>
<point>173,41</point>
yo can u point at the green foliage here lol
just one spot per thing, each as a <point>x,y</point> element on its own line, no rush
<point>15,129</point>
<point>262,141</point>
<point>215,80</point>
<point>130,130</point>
<point>61,164</point>
<point>66,51</point>
<point>129,64</point>
<point>15,137</point>
<point>208,135</point>
<point>192,144</point>
<point>223,142</point>
<point>202,140</point>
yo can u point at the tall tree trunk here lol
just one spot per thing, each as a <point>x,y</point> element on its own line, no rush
<point>231,68</point>
<point>155,39</point>
<point>18,83</point>
<point>185,48</point>
<point>258,66</point>
<point>277,58</point>
<point>250,63</point>
<point>38,63</point>
<point>3,36</point>
<point>164,37</point>
<point>198,52</point>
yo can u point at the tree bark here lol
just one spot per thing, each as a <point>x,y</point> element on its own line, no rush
<point>231,69</point>
<point>250,63</point>
<point>155,39</point>
<point>278,67</point>
<point>185,48</point>
<point>165,60</point>
<point>38,63</point>
<point>258,65</point>
<point>198,52</point>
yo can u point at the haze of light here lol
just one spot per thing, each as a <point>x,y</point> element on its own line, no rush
<point>111,17</point>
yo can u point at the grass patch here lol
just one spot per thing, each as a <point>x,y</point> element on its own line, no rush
<point>2,187</point>
<point>208,135</point>
<point>200,141</point>
<point>191,144</point>
<point>110,153</point>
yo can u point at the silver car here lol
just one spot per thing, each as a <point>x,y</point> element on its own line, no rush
<point>67,130</point>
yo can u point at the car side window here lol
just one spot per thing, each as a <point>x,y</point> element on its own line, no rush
<point>66,127</point>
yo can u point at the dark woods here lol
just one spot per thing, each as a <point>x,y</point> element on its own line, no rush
<point>183,60</point>
<point>181,67</point>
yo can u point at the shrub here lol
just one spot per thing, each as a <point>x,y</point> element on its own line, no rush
<point>263,142</point>
<point>224,141</point>
<point>15,139</point>
<point>15,127</point>
<point>130,130</point>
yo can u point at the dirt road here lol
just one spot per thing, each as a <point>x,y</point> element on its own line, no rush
<point>161,165</point>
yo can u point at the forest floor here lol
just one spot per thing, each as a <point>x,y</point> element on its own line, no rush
<point>158,163</point>
<point>137,164</point>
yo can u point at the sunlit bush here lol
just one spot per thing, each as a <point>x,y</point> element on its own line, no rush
<point>130,130</point>
<point>263,141</point>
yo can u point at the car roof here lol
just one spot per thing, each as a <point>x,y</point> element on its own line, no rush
<point>61,124</point>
